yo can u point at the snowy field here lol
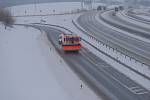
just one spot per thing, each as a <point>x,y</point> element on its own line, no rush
<point>25,71</point>
<point>49,8</point>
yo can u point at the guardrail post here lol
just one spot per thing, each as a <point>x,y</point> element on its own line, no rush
<point>142,64</point>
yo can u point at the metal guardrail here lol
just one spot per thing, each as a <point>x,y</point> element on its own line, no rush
<point>91,36</point>
<point>93,81</point>
<point>98,88</point>
<point>139,57</point>
<point>108,54</point>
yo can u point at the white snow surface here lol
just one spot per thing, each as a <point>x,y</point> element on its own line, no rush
<point>25,70</point>
<point>31,69</point>
<point>49,8</point>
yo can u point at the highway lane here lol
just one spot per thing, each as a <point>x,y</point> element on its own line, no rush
<point>94,70</point>
<point>108,15</point>
<point>124,43</point>
<point>124,25</point>
<point>125,14</point>
<point>137,18</point>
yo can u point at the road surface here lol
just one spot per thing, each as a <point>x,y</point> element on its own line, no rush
<point>100,76</point>
<point>124,43</point>
<point>124,25</point>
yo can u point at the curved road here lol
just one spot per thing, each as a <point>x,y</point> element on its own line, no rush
<point>124,43</point>
<point>138,18</point>
<point>100,76</point>
<point>124,25</point>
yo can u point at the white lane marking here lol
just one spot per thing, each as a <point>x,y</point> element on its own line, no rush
<point>136,90</point>
<point>139,90</point>
<point>134,87</point>
<point>110,76</point>
<point>91,60</point>
<point>142,93</point>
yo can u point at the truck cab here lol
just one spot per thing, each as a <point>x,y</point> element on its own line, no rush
<point>70,42</point>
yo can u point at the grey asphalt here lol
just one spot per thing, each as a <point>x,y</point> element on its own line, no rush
<point>124,25</point>
<point>124,43</point>
<point>137,18</point>
<point>100,76</point>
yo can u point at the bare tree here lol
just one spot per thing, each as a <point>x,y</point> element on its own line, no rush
<point>6,17</point>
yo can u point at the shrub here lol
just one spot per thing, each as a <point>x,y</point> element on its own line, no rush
<point>6,17</point>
